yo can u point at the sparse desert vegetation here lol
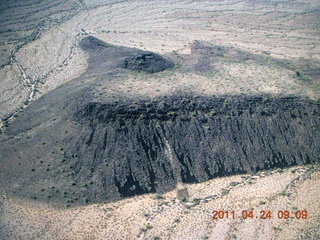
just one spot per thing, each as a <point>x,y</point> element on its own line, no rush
<point>50,55</point>
<point>173,82</point>
<point>166,217</point>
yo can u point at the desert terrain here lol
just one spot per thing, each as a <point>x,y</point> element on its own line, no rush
<point>169,216</point>
<point>172,75</point>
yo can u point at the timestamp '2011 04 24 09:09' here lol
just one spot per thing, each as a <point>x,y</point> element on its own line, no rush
<point>263,214</point>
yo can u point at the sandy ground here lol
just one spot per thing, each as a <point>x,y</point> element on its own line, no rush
<point>284,30</point>
<point>296,190</point>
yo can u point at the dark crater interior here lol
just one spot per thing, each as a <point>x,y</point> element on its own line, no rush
<point>105,57</point>
<point>147,62</point>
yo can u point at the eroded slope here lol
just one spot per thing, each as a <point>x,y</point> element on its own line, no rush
<point>76,145</point>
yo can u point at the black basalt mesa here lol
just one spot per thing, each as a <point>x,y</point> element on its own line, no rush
<point>68,149</point>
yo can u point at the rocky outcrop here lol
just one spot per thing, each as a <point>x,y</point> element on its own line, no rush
<point>72,147</point>
<point>104,57</point>
<point>121,149</point>
<point>151,145</point>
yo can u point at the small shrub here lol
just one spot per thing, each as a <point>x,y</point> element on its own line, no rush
<point>232,184</point>
<point>196,201</point>
<point>224,192</point>
<point>276,228</point>
<point>148,226</point>
<point>206,127</point>
<point>262,202</point>
<point>142,116</point>
<point>184,199</point>
<point>310,166</point>
<point>212,113</point>
<point>171,114</point>
<point>193,114</point>
<point>158,196</point>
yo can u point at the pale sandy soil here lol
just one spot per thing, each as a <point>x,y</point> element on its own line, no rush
<point>167,217</point>
<point>285,30</point>
<point>227,78</point>
<point>164,27</point>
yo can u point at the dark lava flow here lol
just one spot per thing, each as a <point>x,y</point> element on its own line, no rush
<point>69,150</point>
<point>104,56</point>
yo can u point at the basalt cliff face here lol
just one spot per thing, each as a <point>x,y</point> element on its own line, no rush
<point>115,150</point>
<point>69,149</point>
<point>192,139</point>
